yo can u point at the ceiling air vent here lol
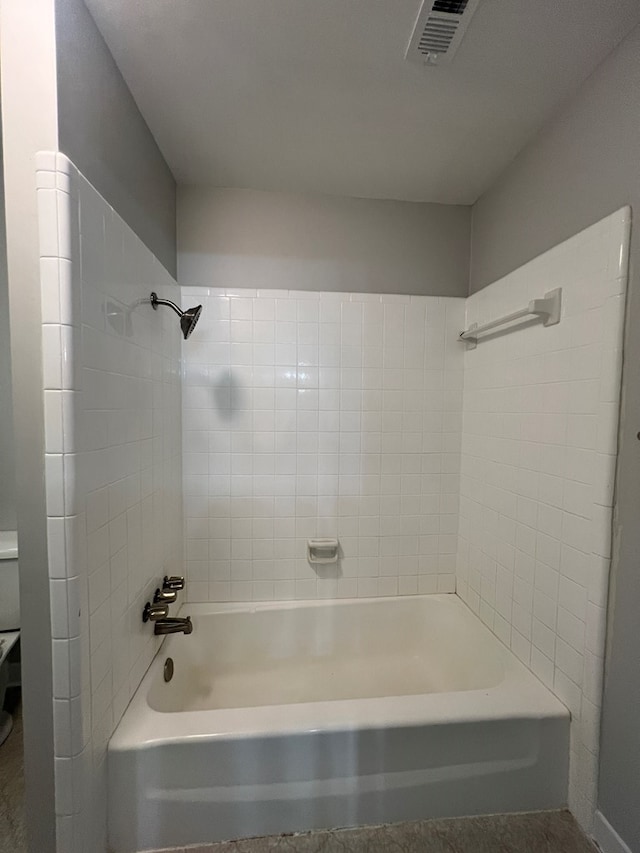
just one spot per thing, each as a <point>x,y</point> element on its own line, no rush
<point>439,29</point>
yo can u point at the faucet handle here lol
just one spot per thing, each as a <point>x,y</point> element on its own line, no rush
<point>153,612</point>
<point>164,596</point>
<point>174,582</point>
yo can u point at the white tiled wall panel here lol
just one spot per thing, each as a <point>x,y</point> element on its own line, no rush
<point>113,468</point>
<point>320,414</point>
<point>537,475</point>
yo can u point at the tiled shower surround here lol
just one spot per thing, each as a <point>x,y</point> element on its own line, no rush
<point>311,414</point>
<point>113,467</point>
<point>539,451</point>
<point>486,471</point>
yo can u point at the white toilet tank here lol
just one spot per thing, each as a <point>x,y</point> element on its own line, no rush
<point>9,581</point>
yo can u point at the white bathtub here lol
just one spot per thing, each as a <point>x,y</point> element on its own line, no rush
<point>284,717</point>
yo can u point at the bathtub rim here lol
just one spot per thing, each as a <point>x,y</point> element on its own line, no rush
<point>520,695</point>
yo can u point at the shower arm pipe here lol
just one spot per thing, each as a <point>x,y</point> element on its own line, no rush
<point>548,308</point>
<point>188,318</point>
<point>155,301</point>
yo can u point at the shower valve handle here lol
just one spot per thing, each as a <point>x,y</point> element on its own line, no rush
<point>153,612</point>
<point>173,583</point>
<point>164,596</point>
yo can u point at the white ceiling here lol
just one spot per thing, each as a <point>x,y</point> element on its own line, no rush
<point>315,95</point>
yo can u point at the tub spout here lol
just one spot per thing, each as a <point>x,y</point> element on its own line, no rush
<point>173,625</point>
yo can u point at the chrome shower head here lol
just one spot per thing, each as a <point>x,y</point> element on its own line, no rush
<point>188,318</point>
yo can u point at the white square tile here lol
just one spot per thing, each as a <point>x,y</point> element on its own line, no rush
<point>51,357</point>
<point>64,224</point>
<point>53,422</point>
<point>50,290</point>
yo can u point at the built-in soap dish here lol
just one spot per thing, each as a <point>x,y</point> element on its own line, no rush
<point>320,552</point>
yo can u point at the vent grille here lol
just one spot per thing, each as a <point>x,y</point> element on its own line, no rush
<point>437,35</point>
<point>453,7</point>
<point>439,29</point>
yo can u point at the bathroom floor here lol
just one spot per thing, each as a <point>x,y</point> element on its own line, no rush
<point>12,828</point>
<point>540,832</point>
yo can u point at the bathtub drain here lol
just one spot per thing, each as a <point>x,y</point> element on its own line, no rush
<point>168,669</point>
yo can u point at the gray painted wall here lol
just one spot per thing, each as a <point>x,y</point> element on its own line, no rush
<point>582,166</point>
<point>247,238</point>
<point>7,467</point>
<point>102,131</point>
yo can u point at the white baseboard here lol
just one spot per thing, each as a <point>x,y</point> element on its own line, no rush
<point>606,837</point>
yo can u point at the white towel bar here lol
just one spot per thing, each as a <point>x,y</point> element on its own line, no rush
<point>548,308</point>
